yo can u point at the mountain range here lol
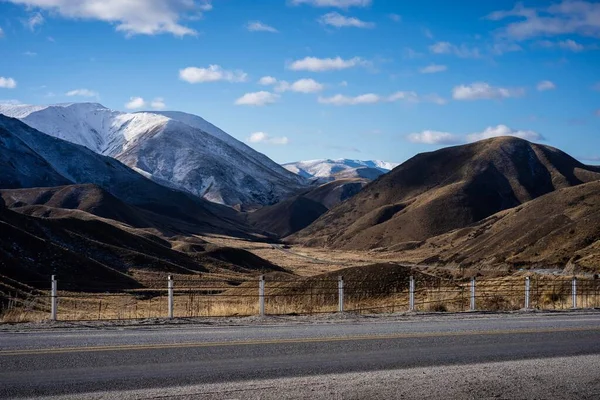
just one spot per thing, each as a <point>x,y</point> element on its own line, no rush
<point>179,150</point>
<point>104,199</point>
<point>326,169</point>
<point>452,188</point>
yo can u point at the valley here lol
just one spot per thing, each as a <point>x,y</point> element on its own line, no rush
<point>113,233</point>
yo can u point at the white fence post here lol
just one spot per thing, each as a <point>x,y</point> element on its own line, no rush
<point>527,288</point>
<point>261,295</point>
<point>574,292</point>
<point>170,292</point>
<point>54,299</point>
<point>473,294</point>
<point>411,294</point>
<point>341,294</point>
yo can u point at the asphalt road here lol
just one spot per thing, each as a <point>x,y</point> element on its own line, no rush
<point>166,359</point>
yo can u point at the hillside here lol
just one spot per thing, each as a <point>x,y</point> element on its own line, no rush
<point>174,149</point>
<point>559,229</point>
<point>448,189</point>
<point>89,253</point>
<point>296,213</point>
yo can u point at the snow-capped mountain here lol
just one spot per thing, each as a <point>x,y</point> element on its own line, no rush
<point>177,149</point>
<point>32,159</point>
<point>328,169</point>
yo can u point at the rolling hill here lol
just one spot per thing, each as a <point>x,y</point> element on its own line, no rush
<point>293,214</point>
<point>558,229</point>
<point>434,193</point>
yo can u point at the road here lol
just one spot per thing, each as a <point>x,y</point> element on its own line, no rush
<point>352,359</point>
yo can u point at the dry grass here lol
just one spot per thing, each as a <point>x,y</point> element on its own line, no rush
<point>294,297</point>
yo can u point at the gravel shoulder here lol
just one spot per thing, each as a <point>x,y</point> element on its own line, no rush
<point>552,378</point>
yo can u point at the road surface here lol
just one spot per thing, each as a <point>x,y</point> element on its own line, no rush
<point>539,355</point>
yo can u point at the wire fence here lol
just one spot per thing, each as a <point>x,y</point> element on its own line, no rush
<point>190,298</point>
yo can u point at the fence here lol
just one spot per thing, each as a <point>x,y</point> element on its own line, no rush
<point>186,298</point>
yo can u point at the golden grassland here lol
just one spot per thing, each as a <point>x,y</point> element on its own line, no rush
<point>287,297</point>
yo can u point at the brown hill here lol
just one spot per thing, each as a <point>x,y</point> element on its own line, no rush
<point>559,229</point>
<point>90,253</point>
<point>89,198</point>
<point>437,192</point>
<point>298,212</point>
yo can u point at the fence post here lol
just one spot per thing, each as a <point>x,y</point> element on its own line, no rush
<point>261,295</point>
<point>473,294</point>
<point>54,299</point>
<point>170,292</point>
<point>341,294</point>
<point>527,291</point>
<point>574,292</point>
<point>411,294</point>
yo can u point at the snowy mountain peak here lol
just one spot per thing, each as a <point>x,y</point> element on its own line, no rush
<point>329,169</point>
<point>178,149</point>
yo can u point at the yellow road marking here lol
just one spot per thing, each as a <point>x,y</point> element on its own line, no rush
<point>283,341</point>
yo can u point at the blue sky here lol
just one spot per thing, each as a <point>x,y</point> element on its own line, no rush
<point>365,79</point>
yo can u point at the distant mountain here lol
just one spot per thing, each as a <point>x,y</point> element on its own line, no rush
<point>32,159</point>
<point>340,169</point>
<point>172,148</point>
<point>297,212</point>
<point>434,193</point>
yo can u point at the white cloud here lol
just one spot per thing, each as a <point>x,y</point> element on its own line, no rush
<point>428,34</point>
<point>568,17</point>
<point>258,99</point>
<point>300,86</point>
<point>315,64</point>
<point>340,21</point>
<point>34,20</point>
<point>569,45</point>
<point>503,130</point>
<point>413,97</point>
<point>433,68</point>
<point>434,137</point>
<point>395,17</point>
<point>1,33</point>
<point>261,137</point>
<point>30,54</point>
<point>341,100</point>
<point>146,17</point>
<point>213,73</point>
<point>343,4</point>
<point>446,138</point>
<point>158,103</point>
<point>267,81</point>
<point>545,85</point>
<point>462,51</point>
<point>371,98</point>
<point>257,26</point>
<point>483,90</point>
<point>135,103</point>
<point>410,97</point>
<point>503,47</point>
<point>82,93</point>
<point>7,83</point>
